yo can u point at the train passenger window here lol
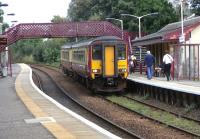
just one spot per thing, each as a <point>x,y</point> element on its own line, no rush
<point>121,49</point>
<point>97,52</point>
<point>66,55</point>
<point>79,55</point>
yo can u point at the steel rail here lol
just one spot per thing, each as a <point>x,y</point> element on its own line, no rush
<point>38,80</point>
<point>162,109</point>
<point>150,118</point>
<point>84,107</point>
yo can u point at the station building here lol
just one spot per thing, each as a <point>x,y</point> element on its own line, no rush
<point>186,55</point>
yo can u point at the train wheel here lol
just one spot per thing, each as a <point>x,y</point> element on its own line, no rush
<point>87,83</point>
<point>94,91</point>
<point>63,70</point>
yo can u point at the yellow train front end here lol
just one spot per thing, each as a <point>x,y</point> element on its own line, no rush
<point>109,66</point>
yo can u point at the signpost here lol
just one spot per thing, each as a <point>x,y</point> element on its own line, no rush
<point>182,39</point>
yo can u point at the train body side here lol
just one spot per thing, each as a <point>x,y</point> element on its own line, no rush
<point>102,63</point>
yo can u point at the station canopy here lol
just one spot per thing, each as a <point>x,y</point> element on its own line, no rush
<point>169,33</point>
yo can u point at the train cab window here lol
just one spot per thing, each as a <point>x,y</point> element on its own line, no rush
<point>121,50</point>
<point>97,52</point>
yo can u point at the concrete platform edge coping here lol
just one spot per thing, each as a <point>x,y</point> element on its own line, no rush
<point>82,119</point>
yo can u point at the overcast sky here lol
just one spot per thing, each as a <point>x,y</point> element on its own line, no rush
<point>34,11</point>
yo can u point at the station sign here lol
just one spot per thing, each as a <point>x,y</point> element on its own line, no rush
<point>3,40</point>
<point>182,39</point>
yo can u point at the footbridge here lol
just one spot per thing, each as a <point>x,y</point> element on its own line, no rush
<point>55,30</point>
<point>63,30</point>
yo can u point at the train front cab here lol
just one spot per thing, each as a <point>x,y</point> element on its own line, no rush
<point>109,67</point>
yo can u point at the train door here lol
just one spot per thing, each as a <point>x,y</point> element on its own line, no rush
<point>109,60</point>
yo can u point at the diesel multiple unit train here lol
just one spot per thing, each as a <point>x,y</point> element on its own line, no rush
<point>101,63</point>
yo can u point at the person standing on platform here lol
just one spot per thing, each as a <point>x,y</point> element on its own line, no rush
<point>132,64</point>
<point>149,60</point>
<point>167,60</point>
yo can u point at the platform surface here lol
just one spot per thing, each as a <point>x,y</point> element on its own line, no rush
<point>13,112</point>
<point>59,122</point>
<point>186,86</point>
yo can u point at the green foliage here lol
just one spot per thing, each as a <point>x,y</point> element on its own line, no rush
<point>79,7</point>
<point>100,9</point>
<point>58,19</point>
<point>162,116</point>
<point>1,15</point>
<point>190,107</point>
<point>38,54</point>
<point>5,26</point>
<point>38,50</point>
<point>196,6</point>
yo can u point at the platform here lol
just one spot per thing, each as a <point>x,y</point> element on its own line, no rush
<point>13,112</point>
<point>41,116</point>
<point>186,86</point>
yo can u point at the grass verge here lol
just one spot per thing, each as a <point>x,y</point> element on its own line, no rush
<point>167,118</point>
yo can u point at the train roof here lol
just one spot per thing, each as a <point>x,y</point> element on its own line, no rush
<point>90,41</point>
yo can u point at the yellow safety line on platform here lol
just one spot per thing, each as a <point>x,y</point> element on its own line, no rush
<point>56,129</point>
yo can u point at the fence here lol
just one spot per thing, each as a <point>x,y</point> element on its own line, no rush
<point>186,62</point>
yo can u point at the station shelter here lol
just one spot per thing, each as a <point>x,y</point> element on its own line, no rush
<point>185,52</point>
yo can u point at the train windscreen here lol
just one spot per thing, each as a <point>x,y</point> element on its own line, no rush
<point>97,52</point>
<point>121,51</point>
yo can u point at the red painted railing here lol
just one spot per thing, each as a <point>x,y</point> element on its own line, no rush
<point>59,30</point>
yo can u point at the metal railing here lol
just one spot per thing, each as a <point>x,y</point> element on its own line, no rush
<point>186,62</point>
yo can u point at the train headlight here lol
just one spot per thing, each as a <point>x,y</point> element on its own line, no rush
<point>96,70</point>
<point>122,70</point>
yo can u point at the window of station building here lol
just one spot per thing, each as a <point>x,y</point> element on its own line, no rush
<point>97,52</point>
<point>121,50</point>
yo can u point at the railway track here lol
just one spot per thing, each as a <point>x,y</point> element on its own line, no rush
<point>38,79</point>
<point>148,117</point>
<point>123,129</point>
<point>133,135</point>
<point>162,109</point>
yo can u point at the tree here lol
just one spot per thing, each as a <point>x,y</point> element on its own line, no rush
<point>79,10</point>
<point>1,15</point>
<point>100,9</point>
<point>58,19</point>
<point>24,48</point>
<point>196,6</point>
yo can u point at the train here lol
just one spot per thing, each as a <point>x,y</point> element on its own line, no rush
<point>101,63</point>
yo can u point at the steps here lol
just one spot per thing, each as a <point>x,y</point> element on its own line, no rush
<point>136,53</point>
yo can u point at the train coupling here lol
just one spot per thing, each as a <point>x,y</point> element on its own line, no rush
<point>110,81</point>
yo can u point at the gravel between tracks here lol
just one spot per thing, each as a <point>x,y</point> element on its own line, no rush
<point>139,125</point>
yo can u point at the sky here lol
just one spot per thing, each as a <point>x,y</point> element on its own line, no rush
<point>34,11</point>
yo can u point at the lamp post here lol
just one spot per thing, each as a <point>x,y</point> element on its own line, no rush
<point>121,21</point>
<point>139,26</point>
<point>2,5</point>
<point>7,51</point>
<point>3,55</point>
<point>13,22</point>
<point>139,18</point>
<point>182,37</point>
<point>11,14</point>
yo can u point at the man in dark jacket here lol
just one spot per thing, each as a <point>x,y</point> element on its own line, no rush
<point>149,60</point>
